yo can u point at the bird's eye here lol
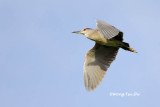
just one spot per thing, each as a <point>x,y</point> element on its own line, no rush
<point>84,29</point>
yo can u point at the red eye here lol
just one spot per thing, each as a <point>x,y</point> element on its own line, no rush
<point>84,29</point>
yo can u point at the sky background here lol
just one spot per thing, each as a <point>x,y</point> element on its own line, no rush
<point>41,61</point>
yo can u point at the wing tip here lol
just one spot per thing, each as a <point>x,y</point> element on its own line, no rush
<point>92,86</point>
<point>99,21</point>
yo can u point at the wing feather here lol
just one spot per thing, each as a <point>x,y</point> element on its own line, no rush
<point>97,61</point>
<point>107,30</point>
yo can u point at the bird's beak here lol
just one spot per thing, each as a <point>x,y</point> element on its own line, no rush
<point>79,32</point>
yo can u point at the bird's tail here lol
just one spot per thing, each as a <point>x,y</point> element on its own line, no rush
<point>126,46</point>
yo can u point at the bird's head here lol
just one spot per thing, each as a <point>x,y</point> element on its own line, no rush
<point>85,31</point>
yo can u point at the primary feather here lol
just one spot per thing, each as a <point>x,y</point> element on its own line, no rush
<point>107,30</point>
<point>97,61</point>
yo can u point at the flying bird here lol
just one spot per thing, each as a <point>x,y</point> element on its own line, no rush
<point>108,40</point>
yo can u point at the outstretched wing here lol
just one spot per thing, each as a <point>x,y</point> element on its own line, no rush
<point>97,60</point>
<point>107,30</point>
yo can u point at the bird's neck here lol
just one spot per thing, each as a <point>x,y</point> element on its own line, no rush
<point>96,36</point>
<point>91,34</point>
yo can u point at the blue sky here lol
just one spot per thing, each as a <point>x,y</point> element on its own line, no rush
<point>41,61</point>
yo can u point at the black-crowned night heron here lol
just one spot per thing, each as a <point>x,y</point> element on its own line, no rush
<point>97,60</point>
